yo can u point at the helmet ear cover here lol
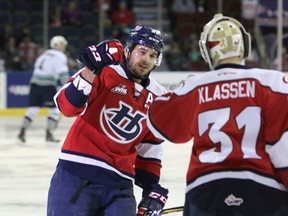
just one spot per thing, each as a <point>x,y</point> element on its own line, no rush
<point>238,43</point>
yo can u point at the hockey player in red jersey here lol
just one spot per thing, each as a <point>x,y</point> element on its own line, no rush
<point>238,119</point>
<point>109,146</point>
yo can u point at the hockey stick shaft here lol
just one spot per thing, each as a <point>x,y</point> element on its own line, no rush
<point>172,210</point>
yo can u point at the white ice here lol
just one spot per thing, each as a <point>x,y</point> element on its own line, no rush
<point>26,169</point>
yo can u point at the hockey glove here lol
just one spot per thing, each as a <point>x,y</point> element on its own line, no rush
<point>153,201</point>
<point>95,57</point>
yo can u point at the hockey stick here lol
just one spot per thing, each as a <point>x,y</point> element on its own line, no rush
<point>172,210</point>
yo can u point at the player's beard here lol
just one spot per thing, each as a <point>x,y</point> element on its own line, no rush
<point>140,70</point>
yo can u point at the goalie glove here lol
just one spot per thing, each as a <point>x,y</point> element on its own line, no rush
<point>95,57</point>
<point>153,201</point>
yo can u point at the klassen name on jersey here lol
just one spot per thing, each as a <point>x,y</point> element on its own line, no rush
<point>237,89</point>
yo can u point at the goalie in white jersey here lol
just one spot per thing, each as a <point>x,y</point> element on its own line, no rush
<point>50,68</point>
<point>238,119</point>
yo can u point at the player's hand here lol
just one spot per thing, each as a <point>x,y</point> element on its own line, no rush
<point>153,201</point>
<point>95,57</point>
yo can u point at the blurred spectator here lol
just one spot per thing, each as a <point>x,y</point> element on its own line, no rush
<point>123,16</point>
<point>194,54</point>
<point>28,52</point>
<point>175,58</point>
<point>123,19</point>
<point>105,7</point>
<point>56,16</point>
<point>183,6</point>
<point>183,19</point>
<point>191,47</point>
<point>120,33</point>
<point>108,5</point>
<point>129,3</point>
<point>195,60</point>
<point>191,41</point>
<point>72,15</point>
<point>108,29</point>
<point>6,33</point>
<point>11,56</point>
<point>21,33</point>
<point>249,9</point>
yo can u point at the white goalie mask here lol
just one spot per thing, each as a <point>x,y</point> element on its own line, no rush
<point>223,37</point>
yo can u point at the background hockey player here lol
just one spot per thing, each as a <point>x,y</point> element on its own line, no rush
<point>109,145</point>
<point>238,118</point>
<point>49,68</point>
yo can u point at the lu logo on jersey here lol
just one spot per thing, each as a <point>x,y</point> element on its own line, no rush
<point>121,124</point>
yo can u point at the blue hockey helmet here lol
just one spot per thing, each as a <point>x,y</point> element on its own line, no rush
<point>148,37</point>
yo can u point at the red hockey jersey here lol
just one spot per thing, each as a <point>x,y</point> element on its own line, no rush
<point>238,119</point>
<point>110,138</point>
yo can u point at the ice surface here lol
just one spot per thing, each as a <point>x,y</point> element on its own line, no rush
<point>26,169</point>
